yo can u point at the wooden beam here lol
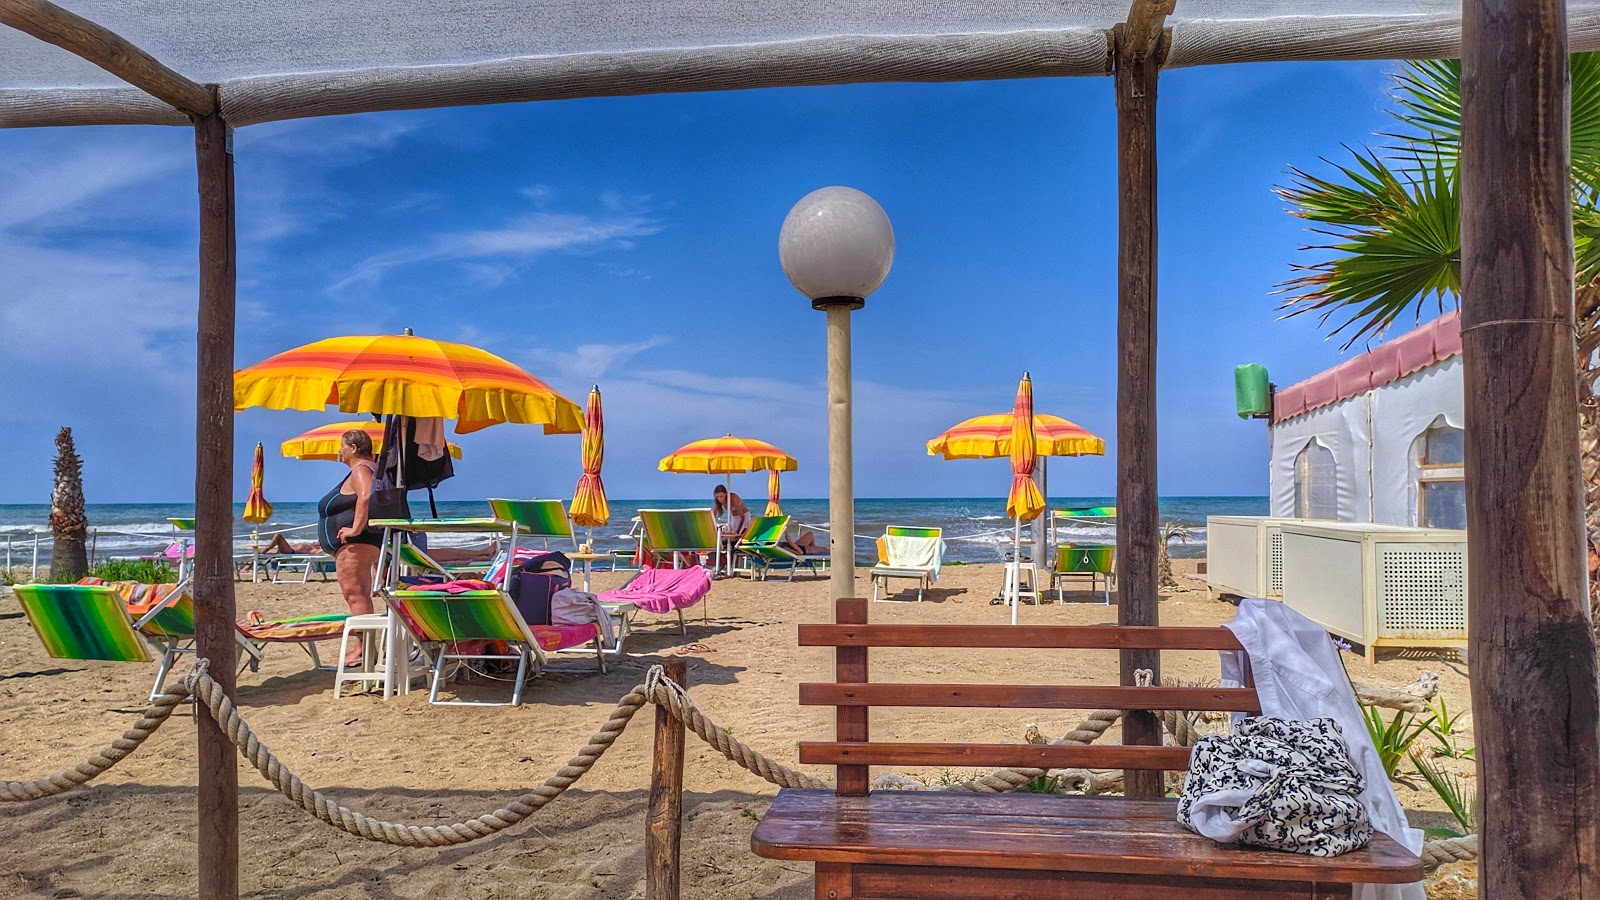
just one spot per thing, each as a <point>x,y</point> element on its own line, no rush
<point>663,834</point>
<point>218,842</point>
<point>75,34</point>
<point>850,722</point>
<point>1136,47</point>
<point>1535,699</point>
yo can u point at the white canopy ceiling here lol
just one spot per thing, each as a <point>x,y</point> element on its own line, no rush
<point>278,59</point>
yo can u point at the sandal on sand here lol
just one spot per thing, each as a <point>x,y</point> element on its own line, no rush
<point>688,649</point>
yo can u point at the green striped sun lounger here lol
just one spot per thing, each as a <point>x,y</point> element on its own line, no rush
<point>419,561</point>
<point>1078,558</point>
<point>761,544</point>
<point>460,626</point>
<point>672,532</point>
<point>535,518</point>
<point>908,552</point>
<point>80,621</point>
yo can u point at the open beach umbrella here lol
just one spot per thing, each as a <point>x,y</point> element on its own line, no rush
<point>989,437</point>
<point>589,505</point>
<point>1024,503</point>
<point>322,442</point>
<point>405,375</point>
<point>256,507</point>
<point>773,509</point>
<point>727,455</point>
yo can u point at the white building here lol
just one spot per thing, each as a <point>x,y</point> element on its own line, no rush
<point>1377,438</point>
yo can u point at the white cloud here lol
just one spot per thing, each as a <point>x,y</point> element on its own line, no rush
<point>513,245</point>
<point>42,187</point>
<point>591,362</point>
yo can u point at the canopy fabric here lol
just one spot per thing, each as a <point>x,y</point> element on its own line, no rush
<point>773,509</point>
<point>301,58</point>
<point>727,454</point>
<point>589,506</point>
<point>256,507</point>
<point>322,442</point>
<point>989,437</point>
<point>1023,503</point>
<point>401,374</point>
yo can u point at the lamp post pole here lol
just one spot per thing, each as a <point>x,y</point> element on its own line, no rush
<point>836,246</point>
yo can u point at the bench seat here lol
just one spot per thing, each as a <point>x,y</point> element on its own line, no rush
<point>879,843</point>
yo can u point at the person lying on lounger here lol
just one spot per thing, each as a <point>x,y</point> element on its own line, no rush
<point>803,544</point>
<point>456,556</point>
<point>281,544</point>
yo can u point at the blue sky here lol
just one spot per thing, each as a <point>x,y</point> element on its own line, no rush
<point>632,242</point>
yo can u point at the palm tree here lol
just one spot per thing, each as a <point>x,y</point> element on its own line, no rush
<point>69,557</point>
<point>1394,223</point>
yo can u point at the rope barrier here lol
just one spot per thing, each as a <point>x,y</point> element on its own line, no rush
<point>656,688</point>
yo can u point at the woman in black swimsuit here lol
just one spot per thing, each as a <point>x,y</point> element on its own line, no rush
<point>342,527</point>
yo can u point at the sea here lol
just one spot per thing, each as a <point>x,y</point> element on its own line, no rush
<point>976,529</point>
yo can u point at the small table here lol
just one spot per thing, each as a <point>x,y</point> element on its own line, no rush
<point>587,559</point>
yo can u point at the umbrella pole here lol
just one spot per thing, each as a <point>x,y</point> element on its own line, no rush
<point>1016,567</point>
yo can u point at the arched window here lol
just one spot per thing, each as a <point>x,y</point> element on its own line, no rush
<point>1315,491</point>
<point>1441,483</point>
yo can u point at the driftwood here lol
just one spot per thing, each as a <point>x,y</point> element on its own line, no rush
<point>1413,697</point>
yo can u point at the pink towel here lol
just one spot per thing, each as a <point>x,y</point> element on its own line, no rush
<point>663,590</point>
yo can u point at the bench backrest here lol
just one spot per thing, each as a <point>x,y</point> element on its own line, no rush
<point>853,695</point>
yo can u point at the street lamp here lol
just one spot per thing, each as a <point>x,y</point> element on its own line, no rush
<point>836,246</point>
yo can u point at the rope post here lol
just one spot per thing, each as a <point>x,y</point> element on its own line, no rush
<point>34,573</point>
<point>663,831</point>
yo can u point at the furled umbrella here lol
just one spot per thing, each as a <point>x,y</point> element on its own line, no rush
<point>589,507</point>
<point>1024,503</point>
<point>256,507</point>
<point>773,509</point>
<point>322,442</point>
<point>406,375</point>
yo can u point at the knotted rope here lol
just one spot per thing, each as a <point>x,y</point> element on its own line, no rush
<point>656,688</point>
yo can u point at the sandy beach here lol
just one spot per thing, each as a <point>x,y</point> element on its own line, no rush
<point>132,832</point>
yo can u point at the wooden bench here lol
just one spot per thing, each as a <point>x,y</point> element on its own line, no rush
<point>936,845</point>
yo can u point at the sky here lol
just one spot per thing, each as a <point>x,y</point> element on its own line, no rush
<point>632,243</point>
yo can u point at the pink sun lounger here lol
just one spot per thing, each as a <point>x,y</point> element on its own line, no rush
<point>662,591</point>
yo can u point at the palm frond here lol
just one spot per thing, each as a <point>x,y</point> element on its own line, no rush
<point>1396,244</point>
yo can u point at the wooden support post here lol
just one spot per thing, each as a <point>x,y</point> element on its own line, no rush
<point>663,833</point>
<point>850,667</point>
<point>1137,65</point>
<point>1535,706</point>
<point>213,506</point>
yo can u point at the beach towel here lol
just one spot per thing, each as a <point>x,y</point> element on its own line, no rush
<point>907,552</point>
<point>663,590</point>
<point>570,607</point>
<point>305,628</point>
<point>561,637</point>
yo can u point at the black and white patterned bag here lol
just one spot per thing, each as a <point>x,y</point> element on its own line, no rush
<point>1276,783</point>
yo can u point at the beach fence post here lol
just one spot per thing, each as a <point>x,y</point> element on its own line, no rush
<point>663,830</point>
<point>1531,647</point>
<point>34,575</point>
<point>94,544</point>
<point>1139,44</point>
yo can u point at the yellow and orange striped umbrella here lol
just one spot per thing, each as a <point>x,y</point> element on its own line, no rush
<point>256,507</point>
<point>589,505</point>
<point>1024,503</point>
<point>402,374</point>
<point>727,454</point>
<point>322,442</point>
<point>989,437</point>
<point>773,509</point>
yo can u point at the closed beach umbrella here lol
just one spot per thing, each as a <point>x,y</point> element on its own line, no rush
<point>589,505</point>
<point>405,375</point>
<point>256,508</point>
<point>1024,503</point>
<point>773,509</point>
<point>322,442</point>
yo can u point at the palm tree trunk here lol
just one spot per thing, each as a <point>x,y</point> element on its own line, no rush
<point>68,557</point>
<point>1587,304</point>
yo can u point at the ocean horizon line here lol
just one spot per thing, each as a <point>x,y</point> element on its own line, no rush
<point>637,500</point>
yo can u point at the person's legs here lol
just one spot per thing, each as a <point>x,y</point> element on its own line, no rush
<point>807,542</point>
<point>355,565</point>
<point>278,545</point>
